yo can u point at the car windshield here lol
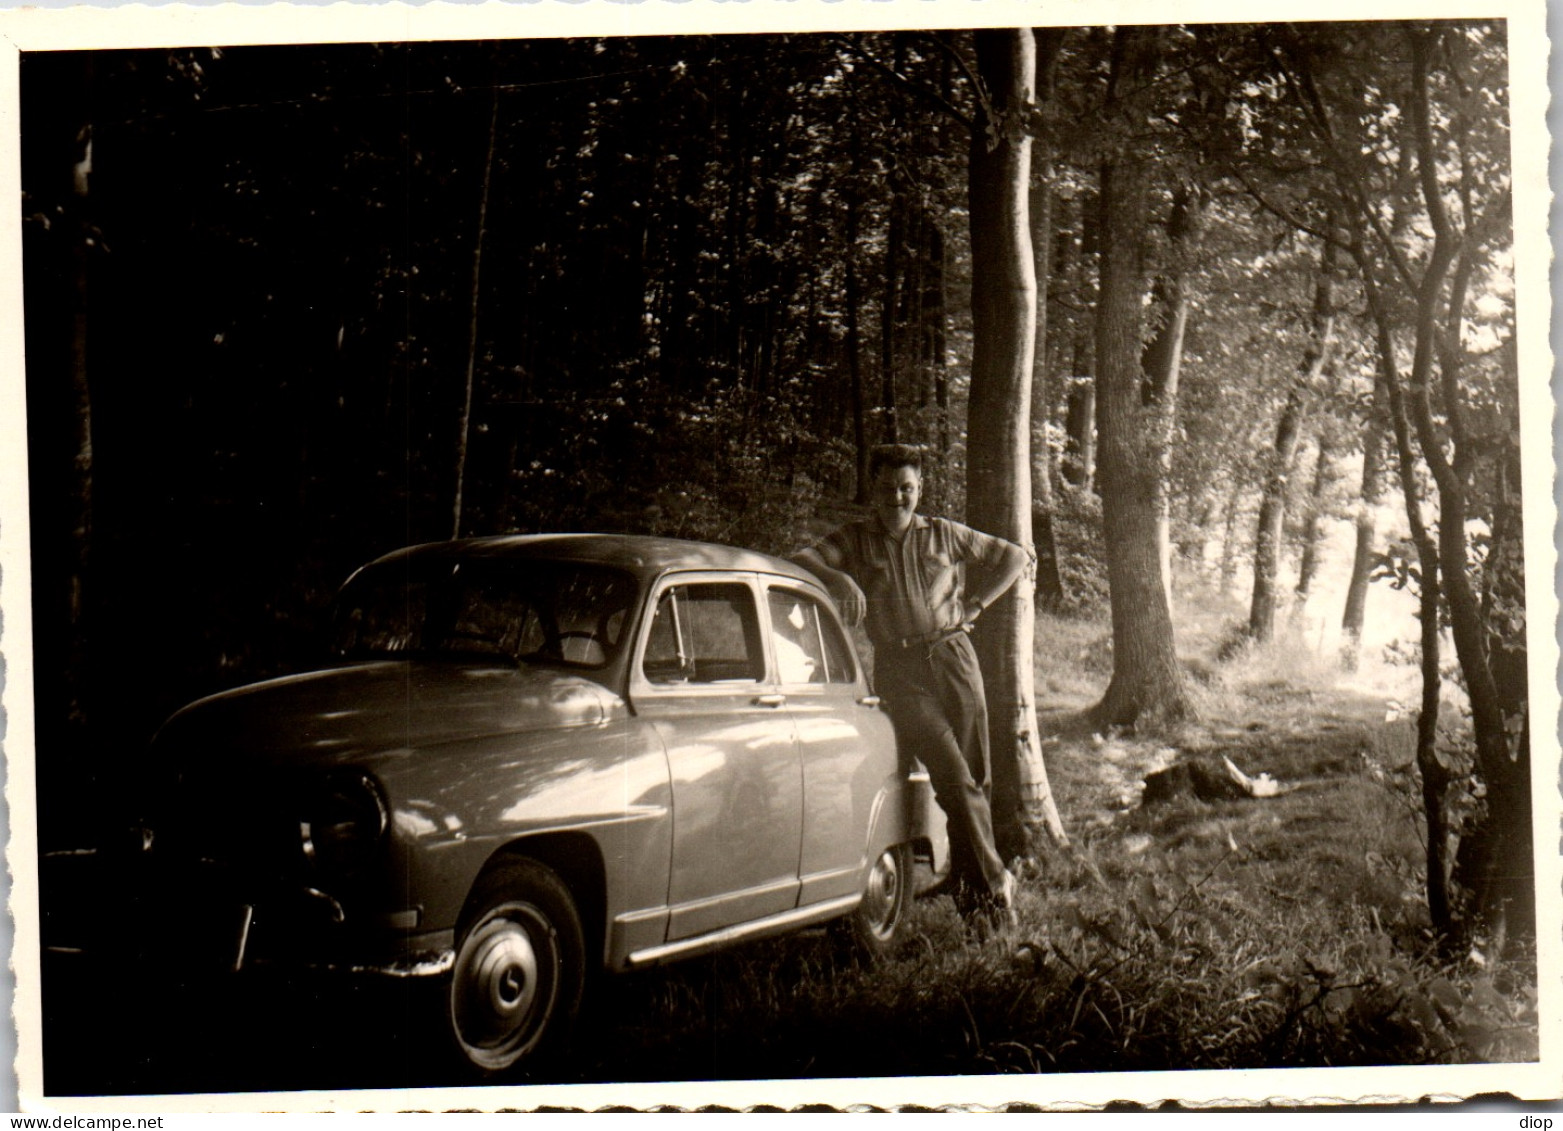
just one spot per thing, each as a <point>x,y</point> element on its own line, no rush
<point>537,612</point>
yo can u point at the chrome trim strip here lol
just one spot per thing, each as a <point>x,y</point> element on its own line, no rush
<point>629,918</point>
<point>833,873</point>
<point>786,920</point>
<point>768,888</point>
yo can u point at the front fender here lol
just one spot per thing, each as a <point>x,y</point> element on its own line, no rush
<point>607,783</point>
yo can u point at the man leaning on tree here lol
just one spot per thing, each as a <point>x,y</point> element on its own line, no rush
<point>904,573</point>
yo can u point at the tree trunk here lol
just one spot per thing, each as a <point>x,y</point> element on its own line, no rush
<point>1272,506</point>
<point>1312,535</point>
<point>1080,435</point>
<point>1050,582</point>
<point>1163,359</point>
<point>890,426</point>
<point>464,419</point>
<point>1004,296</point>
<point>860,443</point>
<point>77,675</point>
<point>1499,872</point>
<point>1508,889</point>
<point>1272,516</point>
<point>1435,777</point>
<point>1367,532</point>
<point>935,307</point>
<point>1147,679</point>
<point>1078,465</point>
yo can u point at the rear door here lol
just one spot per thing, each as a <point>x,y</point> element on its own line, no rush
<point>702,678</point>
<point>845,741</point>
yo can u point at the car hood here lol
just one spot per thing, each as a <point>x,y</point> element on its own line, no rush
<point>359,711</point>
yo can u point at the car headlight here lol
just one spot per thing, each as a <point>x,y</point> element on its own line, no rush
<point>343,823</point>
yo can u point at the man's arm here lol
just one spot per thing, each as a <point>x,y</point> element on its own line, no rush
<point>999,571</point>
<point>846,592</point>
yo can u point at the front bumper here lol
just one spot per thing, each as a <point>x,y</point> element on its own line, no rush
<point>197,918</point>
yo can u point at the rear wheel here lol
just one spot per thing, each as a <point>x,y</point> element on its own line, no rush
<point>876,926</point>
<point>520,967</point>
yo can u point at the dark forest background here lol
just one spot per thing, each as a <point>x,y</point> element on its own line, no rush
<point>279,286</point>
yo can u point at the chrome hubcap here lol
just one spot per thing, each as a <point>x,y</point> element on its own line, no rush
<point>504,985</point>
<point>881,899</point>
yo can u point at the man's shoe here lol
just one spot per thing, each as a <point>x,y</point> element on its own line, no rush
<point>1005,896</point>
<point>1004,901</point>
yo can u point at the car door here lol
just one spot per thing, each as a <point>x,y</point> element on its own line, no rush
<point>702,679</point>
<point>845,742</point>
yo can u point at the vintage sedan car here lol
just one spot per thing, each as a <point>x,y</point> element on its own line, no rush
<point>537,754</point>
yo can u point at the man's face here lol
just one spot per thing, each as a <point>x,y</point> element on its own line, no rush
<point>895,496</point>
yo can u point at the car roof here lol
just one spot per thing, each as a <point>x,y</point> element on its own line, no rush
<point>645,556</point>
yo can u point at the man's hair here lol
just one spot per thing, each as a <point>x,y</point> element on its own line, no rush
<point>893,456</point>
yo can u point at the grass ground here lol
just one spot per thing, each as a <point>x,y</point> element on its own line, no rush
<point>1273,932</point>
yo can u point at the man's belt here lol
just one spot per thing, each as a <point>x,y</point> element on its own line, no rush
<point>935,638</point>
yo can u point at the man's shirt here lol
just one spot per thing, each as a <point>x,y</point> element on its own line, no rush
<point>914,584</point>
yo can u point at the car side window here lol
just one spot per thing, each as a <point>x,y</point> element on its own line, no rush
<point>809,646</point>
<point>705,633</point>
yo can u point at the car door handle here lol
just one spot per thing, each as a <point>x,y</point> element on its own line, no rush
<point>769,700</point>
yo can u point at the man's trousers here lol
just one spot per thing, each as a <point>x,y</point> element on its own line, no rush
<point>935,699</point>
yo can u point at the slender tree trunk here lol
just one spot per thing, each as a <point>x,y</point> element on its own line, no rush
<point>935,316</point>
<point>1500,869</point>
<point>1312,534</point>
<point>938,295</point>
<point>890,431</point>
<point>1163,359</point>
<point>77,675</point>
<point>1050,583</point>
<point>860,442</point>
<point>1078,465</point>
<point>1272,516</point>
<point>1435,777</point>
<point>1080,435</point>
<point>1004,298</point>
<point>1272,506</point>
<point>1147,679</point>
<point>1367,533</point>
<point>463,420</point>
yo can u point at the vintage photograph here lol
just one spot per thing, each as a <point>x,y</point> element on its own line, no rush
<point>1002,555</point>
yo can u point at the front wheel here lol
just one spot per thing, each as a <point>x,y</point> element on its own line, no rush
<point>877,924</point>
<point>520,967</point>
